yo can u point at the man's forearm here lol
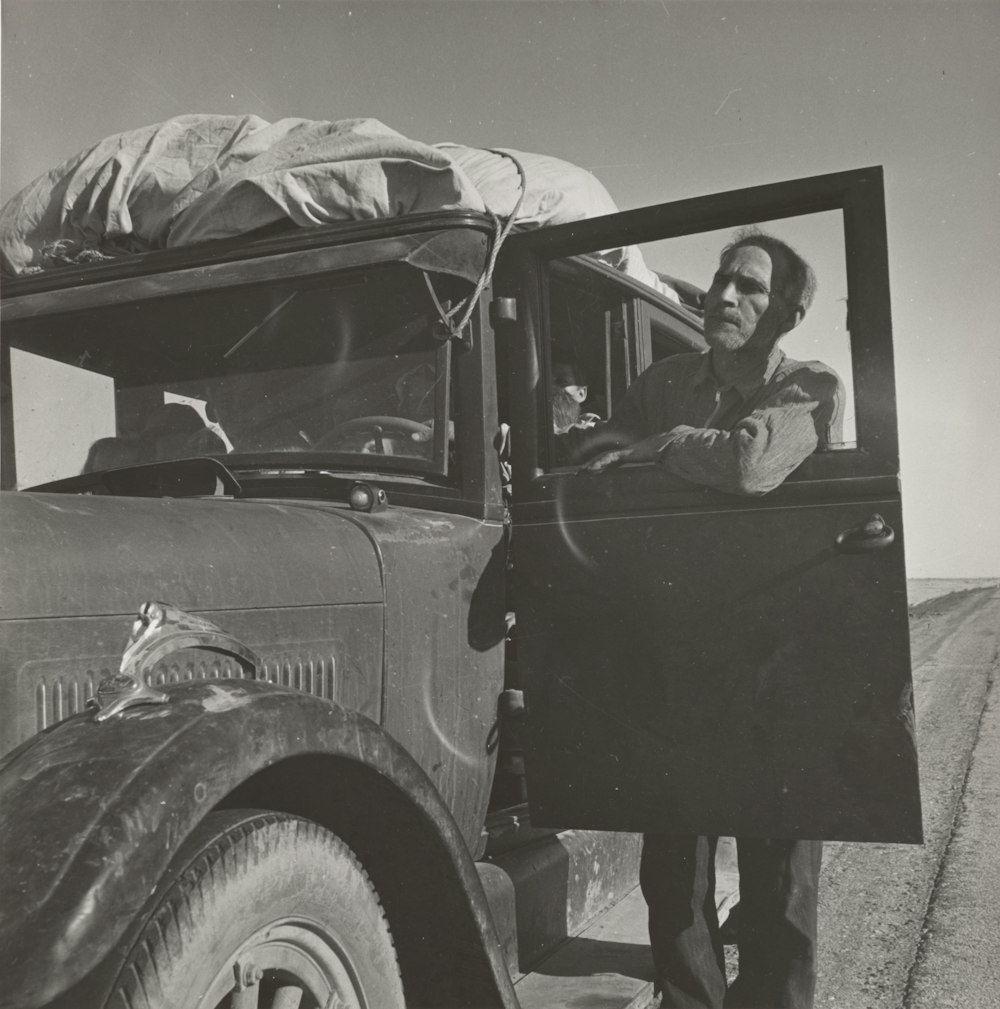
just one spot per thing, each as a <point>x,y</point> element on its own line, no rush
<point>752,459</point>
<point>649,449</point>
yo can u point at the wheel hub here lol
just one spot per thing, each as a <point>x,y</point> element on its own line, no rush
<point>288,964</point>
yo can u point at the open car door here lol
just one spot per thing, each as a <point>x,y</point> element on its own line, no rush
<point>694,661</point>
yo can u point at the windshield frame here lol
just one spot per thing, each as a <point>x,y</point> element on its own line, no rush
<point>303,264</point>
<point>467,228</point>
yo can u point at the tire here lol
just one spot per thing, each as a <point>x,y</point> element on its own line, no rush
<point>275,900</point>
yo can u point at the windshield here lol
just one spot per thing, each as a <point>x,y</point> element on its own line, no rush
<point>341,371</point>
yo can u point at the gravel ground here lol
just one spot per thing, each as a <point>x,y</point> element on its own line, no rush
<point>893,916</point>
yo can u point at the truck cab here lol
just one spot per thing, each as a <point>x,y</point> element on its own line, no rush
<point>311,626</point>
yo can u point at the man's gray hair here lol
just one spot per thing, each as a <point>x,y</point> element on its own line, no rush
<point>800,284</point>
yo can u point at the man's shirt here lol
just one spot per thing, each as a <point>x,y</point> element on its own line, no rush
<point>743,438</point>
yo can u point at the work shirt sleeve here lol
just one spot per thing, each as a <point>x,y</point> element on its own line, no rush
<point>756,454</point>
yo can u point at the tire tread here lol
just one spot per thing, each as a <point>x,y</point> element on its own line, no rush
<point>243,845</point>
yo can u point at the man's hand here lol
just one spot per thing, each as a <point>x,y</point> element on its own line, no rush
<point>606,460</point>
<point>647,450</point>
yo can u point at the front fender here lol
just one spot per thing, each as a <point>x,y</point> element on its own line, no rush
<point>92,814</point>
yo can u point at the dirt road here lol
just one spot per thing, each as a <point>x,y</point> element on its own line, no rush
<point>901,926</point>
<point>905,927</point>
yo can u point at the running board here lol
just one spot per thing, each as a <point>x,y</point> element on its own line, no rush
<point>549,889</point>
<point>572,921</point>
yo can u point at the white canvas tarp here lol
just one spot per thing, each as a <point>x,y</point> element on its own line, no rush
<point>200,177</point>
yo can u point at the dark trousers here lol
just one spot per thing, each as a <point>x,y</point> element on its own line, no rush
<point>776,931</point>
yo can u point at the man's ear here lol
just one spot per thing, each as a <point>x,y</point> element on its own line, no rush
<point>794,315</point>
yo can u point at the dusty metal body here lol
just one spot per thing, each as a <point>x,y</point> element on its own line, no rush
<point>356,645</point>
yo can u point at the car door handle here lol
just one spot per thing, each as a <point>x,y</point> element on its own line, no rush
<point>873,534</point>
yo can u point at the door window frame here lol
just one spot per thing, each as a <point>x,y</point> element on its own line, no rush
<point>872,467</point>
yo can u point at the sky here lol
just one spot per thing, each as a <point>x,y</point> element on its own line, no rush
<point>661,100</point>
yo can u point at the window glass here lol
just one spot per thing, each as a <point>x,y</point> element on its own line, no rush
<point>47,390</point>
<point>597,320</point>
<point>688,264</point>
<point>590,346</point>
<point>344,370</point>
<point>609,323</point>
<point>592,356</point>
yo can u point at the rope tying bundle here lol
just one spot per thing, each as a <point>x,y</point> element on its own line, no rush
<point>500,232</point>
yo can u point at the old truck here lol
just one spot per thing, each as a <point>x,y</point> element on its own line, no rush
<point>308,633</point>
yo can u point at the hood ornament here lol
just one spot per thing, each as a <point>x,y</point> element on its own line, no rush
<point>158,630</point>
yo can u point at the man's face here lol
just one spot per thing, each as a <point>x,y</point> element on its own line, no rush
<point>744,307</point>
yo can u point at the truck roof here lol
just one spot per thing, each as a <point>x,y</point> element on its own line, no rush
<point>272,240</point>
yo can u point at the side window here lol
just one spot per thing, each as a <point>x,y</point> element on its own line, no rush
<point>592,355</point>
<point>688,263</point>
<point>44,392</point>
<point>825,400</point>
<point>604,330</point>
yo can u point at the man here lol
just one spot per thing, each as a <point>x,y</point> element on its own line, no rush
<point>743,416</point>
<point>739,418</point>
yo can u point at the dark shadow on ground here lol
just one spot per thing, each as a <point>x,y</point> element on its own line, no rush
<point>601,957</point>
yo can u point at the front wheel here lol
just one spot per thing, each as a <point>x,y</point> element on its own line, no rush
<point>270,912</point>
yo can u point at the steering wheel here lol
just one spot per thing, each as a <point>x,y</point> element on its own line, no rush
<point>394,428</point>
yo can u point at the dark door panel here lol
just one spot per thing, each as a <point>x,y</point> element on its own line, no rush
<point>729,672</point>
<point>696,662</point>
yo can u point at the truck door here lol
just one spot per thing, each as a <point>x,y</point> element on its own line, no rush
<point>695,661</point>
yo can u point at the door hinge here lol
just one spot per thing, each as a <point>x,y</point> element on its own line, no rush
<point>504,309</point>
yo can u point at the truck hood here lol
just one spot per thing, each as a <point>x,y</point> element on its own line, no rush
<point>78,555</point>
